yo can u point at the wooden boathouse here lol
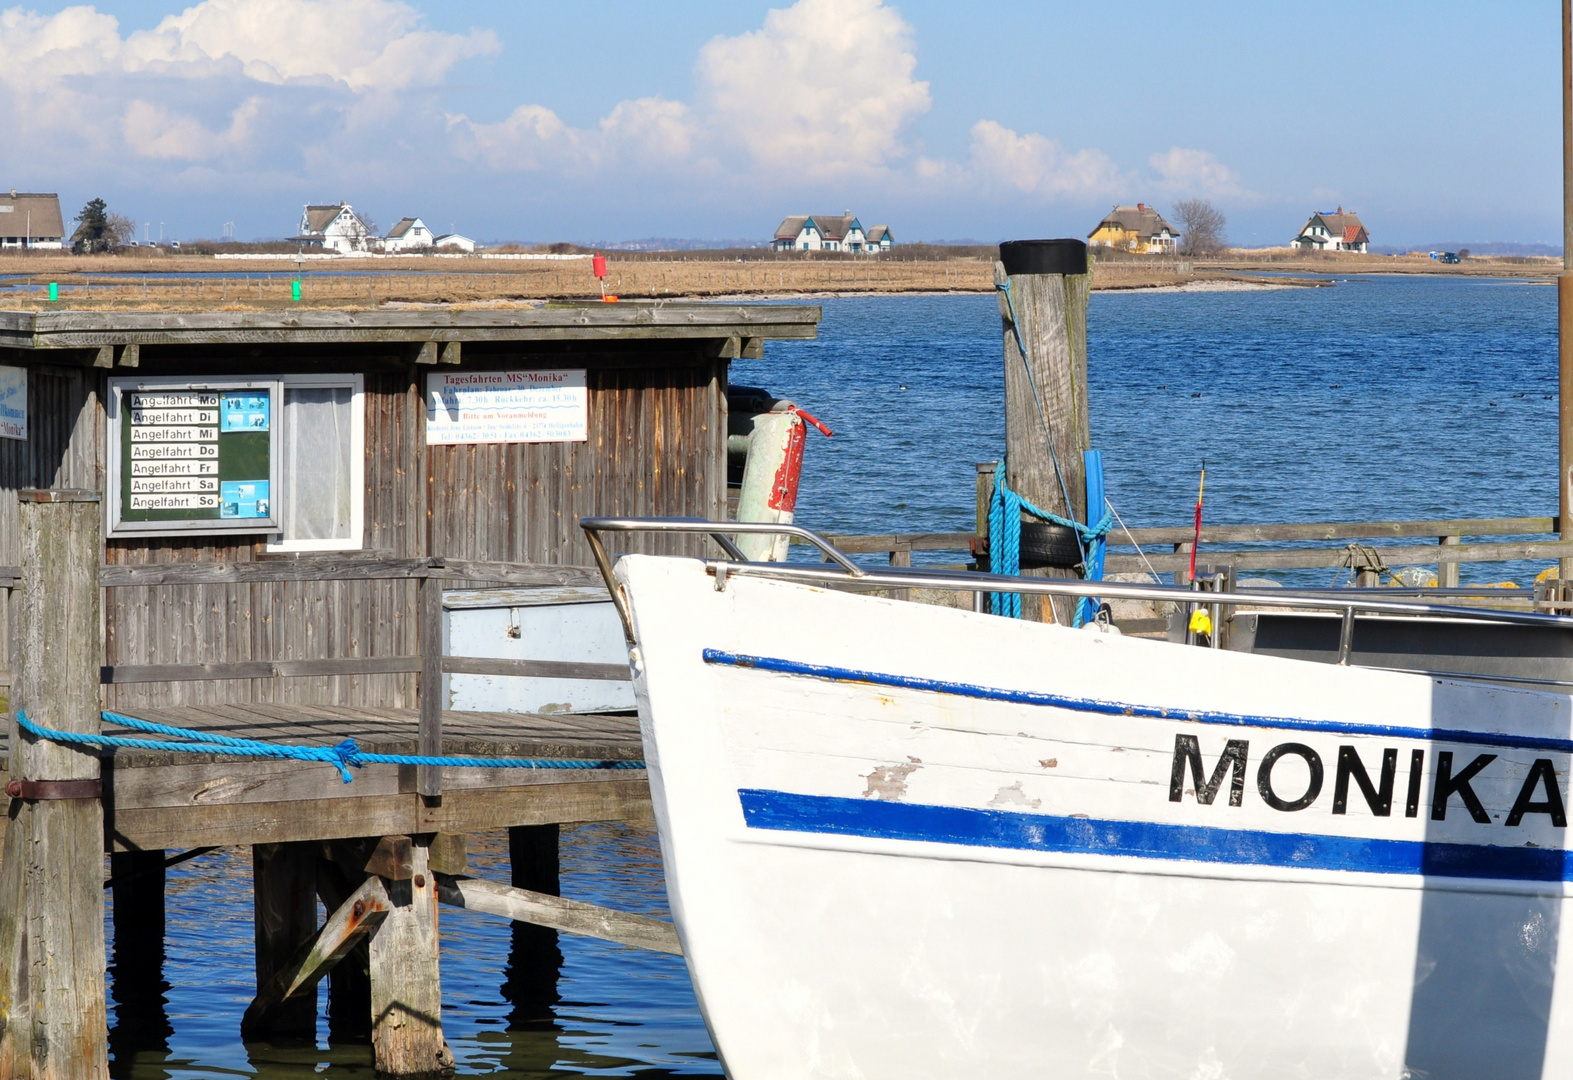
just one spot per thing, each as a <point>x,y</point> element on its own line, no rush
<point>244,523</point>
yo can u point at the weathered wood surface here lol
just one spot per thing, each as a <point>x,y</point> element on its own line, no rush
<point>325,568</point>
<point>406,980</point>
<point>358,915</point>
<point>160,799</point>
<point>428,778</point>
<point>559,913</point>
<point>587,797</point>
<point>336,626</point>
<point>52,1008</point>
<point>1046,414</point>
<point>539,669</point>
<point>284,912</point>
<point>121,674</point>
<point>556,322</point>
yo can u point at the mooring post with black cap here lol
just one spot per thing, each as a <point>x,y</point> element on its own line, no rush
<point>1043,287</point>
<point>52,1011</point>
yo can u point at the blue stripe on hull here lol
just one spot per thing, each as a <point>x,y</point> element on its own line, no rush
<point>1120,708</point>
<point>786,812</point>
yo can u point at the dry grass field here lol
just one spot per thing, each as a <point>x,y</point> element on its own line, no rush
<point>134,281</point>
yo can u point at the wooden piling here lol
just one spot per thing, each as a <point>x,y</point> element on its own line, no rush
<point>284,884</point>
<point>52,1011</point>
<point>1049,310</point>
<point>137,960</point>
<point>535,959</point>
<point>406,985</point>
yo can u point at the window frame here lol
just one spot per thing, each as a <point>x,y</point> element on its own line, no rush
<point>356,382</point>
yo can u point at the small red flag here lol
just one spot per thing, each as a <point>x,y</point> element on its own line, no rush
<point>1200,488</point>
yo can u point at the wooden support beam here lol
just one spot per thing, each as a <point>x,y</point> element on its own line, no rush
<point>128,356</point>
<point>406,983</point>
<point>536,669</point>
<point>427,353</point>
<point>358,915</point>
<point>535,957</point>
<point>428,778</point>
<point>104,357</point>
<point>1447,572</point>
<point>573,916</point>
<point>1046,390</point>
<point>53,1017</point>
<point>451,352</point>
<point>349,983</point>
<point>284,882</point>
<point>137,961</point>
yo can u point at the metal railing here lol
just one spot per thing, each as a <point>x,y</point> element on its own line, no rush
<point>846,574</point>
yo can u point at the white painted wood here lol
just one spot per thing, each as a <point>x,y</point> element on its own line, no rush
<point>1049,909</point>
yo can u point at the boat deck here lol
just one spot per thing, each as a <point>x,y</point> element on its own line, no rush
<point>160,800</point>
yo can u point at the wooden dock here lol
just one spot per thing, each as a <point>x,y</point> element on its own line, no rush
<point>156,800</point>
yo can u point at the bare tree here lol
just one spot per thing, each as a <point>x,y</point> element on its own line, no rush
<point>119,230</point>
<point>1201,227</point>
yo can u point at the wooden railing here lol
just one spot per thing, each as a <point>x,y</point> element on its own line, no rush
<point>1167,549</point>
<point>429,662</point>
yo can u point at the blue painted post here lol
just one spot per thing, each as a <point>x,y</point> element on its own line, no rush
<point>1087,607</point>
<point>294,289</point>
<point>54,290</point>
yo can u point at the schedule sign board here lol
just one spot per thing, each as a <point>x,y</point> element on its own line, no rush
<point>507,406</point>
<point>192,456</point>
<point>13,403</point>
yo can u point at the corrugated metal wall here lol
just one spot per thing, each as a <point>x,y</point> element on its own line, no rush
<point>657,427</point>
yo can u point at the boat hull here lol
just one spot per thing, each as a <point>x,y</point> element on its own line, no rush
<point>904,841</point>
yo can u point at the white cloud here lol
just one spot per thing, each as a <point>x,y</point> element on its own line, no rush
<point>153,131</point>
<point>825,86</point>
<point>1040,165</point>
<point>362,45</point>
<point>645,131</point>
<point>1193,172</point>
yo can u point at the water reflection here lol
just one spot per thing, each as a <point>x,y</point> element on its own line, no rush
<point>520,1005</point>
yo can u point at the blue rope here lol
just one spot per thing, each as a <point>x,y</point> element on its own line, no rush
<point>1005,510</point>
<point>342,756</point>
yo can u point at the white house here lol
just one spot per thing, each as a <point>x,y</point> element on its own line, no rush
<point>1335,231</point>
<point>453,242</point>
<point>31,220</point>
<point>334,228</point>
<point>830,232</point>
<point>410,234</point>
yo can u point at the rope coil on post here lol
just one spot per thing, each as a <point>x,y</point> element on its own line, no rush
<point>1005,510</point>
<point>342,756</point>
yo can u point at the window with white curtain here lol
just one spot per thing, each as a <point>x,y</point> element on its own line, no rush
<point>322,467</point>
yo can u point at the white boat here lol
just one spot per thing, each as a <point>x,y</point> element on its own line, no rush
<point>907,841</point>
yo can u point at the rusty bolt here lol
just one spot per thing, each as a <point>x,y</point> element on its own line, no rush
<point>359,909</point>
<point>420,881</point>
<point>14,789</point>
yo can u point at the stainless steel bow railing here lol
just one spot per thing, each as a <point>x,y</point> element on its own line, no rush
<point>845,574</point>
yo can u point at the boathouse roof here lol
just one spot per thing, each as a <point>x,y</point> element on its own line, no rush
<point>34,331</point>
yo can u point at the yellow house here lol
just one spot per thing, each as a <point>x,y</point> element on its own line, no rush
<point>1138,228</point>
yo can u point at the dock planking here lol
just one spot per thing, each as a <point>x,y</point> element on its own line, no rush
<point>157,799</point>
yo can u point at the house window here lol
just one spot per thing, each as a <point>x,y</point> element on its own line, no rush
<point>322,465</point>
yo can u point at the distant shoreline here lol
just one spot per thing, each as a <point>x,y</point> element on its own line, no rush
<point>202,282</point>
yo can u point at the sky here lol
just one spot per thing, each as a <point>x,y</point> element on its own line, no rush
<point>620,120</point>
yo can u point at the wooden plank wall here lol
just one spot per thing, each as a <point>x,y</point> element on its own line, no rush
<point>657,446</point>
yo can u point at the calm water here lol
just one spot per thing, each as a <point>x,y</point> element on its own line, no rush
<point>1377,398</point>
